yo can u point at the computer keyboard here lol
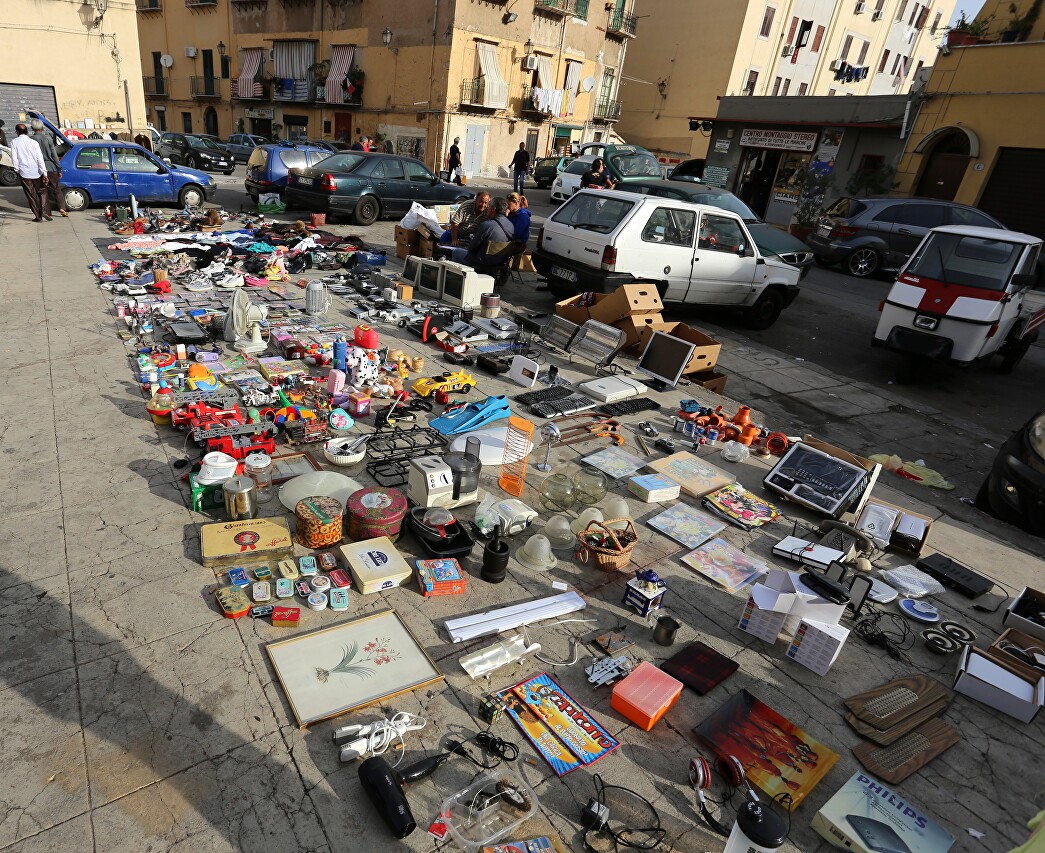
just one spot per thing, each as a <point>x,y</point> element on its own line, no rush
<point>567,406</point>
<point>628,407</point>
<point>544,395</point>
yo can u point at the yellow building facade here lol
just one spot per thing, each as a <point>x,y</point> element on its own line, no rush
<point>692,52</point>
<point>978,137</point>
<point>412,74</point>
<point>71,59</point>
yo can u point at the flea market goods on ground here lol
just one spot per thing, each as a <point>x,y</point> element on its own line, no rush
<point>495,586</point>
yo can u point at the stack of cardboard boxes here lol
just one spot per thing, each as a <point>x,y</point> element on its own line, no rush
<point>411,241</point>
<point>636,308</point>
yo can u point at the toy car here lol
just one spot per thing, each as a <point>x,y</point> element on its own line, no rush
<point>449,382</point>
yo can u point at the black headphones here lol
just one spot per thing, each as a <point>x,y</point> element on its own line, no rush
<point>730,768</point>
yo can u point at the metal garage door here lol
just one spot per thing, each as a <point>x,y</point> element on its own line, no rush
<point>1008,194</point>
<point>16,98</point>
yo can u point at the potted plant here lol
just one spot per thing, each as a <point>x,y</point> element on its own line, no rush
<point>813,186</point>
<point>969,32</point>
<point>319,71</point>
<point>354,84</point>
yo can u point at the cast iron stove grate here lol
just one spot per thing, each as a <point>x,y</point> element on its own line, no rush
<point>389,452</point>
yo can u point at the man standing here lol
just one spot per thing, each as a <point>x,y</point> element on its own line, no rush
<point>597,178</point>
<point>360,144</point>
<point>466,219</point>
<point>497,228</point>
<point>45,140</point>
<point>29,163</point>
<point>520,163</point>
<point>453,162</point>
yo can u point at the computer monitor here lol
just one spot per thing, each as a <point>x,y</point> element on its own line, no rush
<point>429,281</point>
<point>665,360</point>
<point>463,285</point>
<point>410,268</point>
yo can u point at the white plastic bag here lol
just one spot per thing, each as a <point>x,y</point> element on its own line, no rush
<point>420,215</point>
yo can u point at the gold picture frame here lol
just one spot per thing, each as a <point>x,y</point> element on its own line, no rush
<point>290,465</point>
<point>359,662</point>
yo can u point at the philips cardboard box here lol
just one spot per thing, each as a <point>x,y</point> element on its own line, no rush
<point>867,816</point>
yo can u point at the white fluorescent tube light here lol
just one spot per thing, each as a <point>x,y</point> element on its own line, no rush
<point>515,616</point>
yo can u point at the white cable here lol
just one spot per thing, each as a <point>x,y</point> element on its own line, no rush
<point>376,738</point>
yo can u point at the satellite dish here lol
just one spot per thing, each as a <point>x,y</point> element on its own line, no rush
<point>166,60</point>
<point>244,318</point>
<point>587,84</point>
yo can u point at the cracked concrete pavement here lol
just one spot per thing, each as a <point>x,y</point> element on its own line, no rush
<point>140,720</point>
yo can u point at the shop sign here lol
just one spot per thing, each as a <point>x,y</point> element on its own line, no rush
<point>261,113</point>
<point>788,140</point>
<point>721,146</point>
<point>716,176</point>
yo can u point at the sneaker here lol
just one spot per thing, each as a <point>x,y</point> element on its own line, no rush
<point>213,269</point>
<point>197,282</point>
<point>228,280</point>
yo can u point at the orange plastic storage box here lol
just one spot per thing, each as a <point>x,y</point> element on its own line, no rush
<point>646,695</point>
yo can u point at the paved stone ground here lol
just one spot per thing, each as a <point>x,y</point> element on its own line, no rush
<point>137,719</point>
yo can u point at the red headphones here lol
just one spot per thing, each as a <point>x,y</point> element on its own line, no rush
<point>730,769</point>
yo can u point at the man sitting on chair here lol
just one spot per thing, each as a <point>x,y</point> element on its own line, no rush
<point>497,229</point>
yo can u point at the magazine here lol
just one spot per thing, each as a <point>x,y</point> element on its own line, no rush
<point>741,507</point>
<point>686,524</point>
<point>725,565</point>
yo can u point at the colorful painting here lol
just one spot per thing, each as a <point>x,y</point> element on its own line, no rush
<point>727,566</point>
<point>778,756</point>
<point>563,733</point>
<point>741,507</point>
<point>356,663</point>
<point>686,524</point>
<point>614,462</point>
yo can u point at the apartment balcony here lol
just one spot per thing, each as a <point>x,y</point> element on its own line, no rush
<point>148,5</point>
<point>532,105</point>
<point>258,91</point>
<point>473,93</point>
<point>558,8</point>
<point>607,110</point>
<point>353,101</point>
<point>621,25</point>
<point>299,91</point>
<point>201,4</point>
<point>157,87</point>
<point>206,87</point>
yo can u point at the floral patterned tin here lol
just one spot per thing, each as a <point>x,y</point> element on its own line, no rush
<point>375,512</point>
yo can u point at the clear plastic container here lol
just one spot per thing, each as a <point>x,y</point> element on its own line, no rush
<point>488,809</point>
<point>258,466</point>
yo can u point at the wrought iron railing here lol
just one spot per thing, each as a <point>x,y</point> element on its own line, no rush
<point>258,92</point>
<point>621,23</point>
<point>556,7</point>
<point>157,87</point>
<point>607,110</point>
<point>473,91</point>
<point>206,87</point>
<point>148,5</point>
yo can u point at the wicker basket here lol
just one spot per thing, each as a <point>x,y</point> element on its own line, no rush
<point>613,559</point>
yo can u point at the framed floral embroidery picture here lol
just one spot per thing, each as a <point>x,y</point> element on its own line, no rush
<point>332,671</point>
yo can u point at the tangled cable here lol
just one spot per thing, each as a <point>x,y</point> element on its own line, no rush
<point>598,818</point>
<point>387,732</point>
<point>490,744</point>
<point>896,638</point>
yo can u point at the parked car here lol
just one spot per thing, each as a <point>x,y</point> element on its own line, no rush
<point>368,186</point>
<point>625,162</point>
<point>547,170</point>
<point>769,239</point>
<point>269,166</point>
<point>1014,490</point>
<point>689,170</point>
<point>8,175</point>
<point>105,171</point>
<point>696,254</point>
<point>569,179</point>
<point>330,145</point>
<point>865,235</point>
<point>186,149</point>
<point>212,138</point>
<point>242,145</point>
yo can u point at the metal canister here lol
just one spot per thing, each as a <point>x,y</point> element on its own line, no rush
<point>241,498</point>
<point>490,306</point>
<point>375,512</point>
<point>319,521</point>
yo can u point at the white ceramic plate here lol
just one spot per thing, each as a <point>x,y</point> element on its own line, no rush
<point>326,483</point>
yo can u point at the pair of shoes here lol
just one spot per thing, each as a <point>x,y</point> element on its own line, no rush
<point>37,219</point>
<point>64,212</point>
<point>49,218</point>
<point>228,280</point>
<point>197,283</point>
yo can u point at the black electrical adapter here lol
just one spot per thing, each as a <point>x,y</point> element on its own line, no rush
<point>595,815</point>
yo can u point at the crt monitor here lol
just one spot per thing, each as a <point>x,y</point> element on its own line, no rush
<point>665,360</point>
<point>463,286</point>
<point>410,268</point>
<point>429,281</point>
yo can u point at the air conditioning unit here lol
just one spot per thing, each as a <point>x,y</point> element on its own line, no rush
<point>529,63</point>
<point>272,54</point>
<point>876,15</point>
<point>190,52</point>
<point>860,7</point>
<point>836,65</point>
<point>788,50</point>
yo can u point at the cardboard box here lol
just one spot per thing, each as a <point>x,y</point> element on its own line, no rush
<point>570,309</point>
<point>709,380</point>
<point>853,501</point>
<point>989,678</point>
<point>706,352</point>
<point>867,816</point>
<point>1012,619</point>
<point>523,263</point>
<point>632,325</point>
<point>406,236</point>
<point>424,248</point>
<point>816,645</point>
<point>404,252</point>
<point>442,212</point>
<point>404,292</point>
<point>1021,640</point>
<point>778,605</point>
<point>629,300</point>
<point>897,544</point>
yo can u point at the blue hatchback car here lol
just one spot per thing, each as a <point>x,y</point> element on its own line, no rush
<point>268,166</point>
<point>110,171</point>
